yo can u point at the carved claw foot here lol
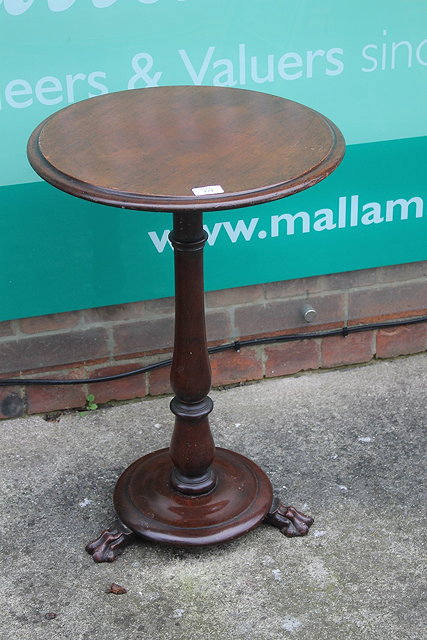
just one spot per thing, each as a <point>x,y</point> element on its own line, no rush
<point>291,522</point>
<point>111,542</point>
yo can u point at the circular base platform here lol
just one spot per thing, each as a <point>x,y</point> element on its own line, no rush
<point>147,503</point>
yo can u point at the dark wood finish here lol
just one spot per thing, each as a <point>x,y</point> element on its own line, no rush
<point>292,523</point>
<point>147,149</point>
<point>192,448</point>
<point>110,542</point>
<point>147,502</point>
<point>199,495</point>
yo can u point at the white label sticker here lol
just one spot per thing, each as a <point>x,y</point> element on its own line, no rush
<point>207,191</point>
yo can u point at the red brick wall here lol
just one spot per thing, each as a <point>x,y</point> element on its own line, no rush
<point>103,341</point>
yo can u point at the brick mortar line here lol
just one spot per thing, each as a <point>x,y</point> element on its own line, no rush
<point>391,284</point>
<point>262,352</point>
<point>77,328</point>
<point>374,342</point>
<point>319,294</point>
<point>356,287</point>
<point>336,367</point>
<point>83,324</point>
<point>18,331</point>
<point>233,328</point>
<point>110,339</point>
<point>44,334</point>
<point>302,297</point>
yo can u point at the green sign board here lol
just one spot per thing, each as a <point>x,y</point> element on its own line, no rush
<point>369,76</point>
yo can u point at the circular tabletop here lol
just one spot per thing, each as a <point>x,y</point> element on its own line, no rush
<point>185,148</point>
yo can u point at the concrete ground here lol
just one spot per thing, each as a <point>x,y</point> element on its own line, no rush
<point>345,446</point>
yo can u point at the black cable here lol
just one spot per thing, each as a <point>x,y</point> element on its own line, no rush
<point>117,376</point>
<point>236,345</point>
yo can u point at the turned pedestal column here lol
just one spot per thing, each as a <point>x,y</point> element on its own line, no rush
<point>192,448</point>
<point>191,493</point>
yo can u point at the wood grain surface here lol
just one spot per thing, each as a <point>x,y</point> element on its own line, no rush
<point>148,148</point>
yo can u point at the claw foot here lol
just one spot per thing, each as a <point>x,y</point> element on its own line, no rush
<point>111,542</point>
<point>291,522</point>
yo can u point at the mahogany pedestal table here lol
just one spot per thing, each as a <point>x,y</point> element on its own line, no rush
<point>187,150</point>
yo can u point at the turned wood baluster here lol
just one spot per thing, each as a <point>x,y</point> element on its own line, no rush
<point>192,448</point>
